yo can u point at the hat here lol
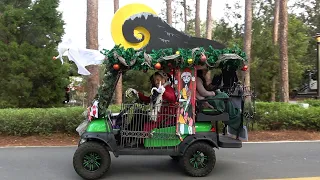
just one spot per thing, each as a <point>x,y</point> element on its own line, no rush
<point>162,74</point>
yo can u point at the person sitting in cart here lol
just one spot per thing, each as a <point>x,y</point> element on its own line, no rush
<point>219,105</point>
<point>163,86</point>
<point>155,93</point>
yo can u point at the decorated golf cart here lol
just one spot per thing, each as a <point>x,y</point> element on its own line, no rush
<point>185,129</point>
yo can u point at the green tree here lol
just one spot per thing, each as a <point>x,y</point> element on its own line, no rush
<point>29,35</point>
<point>311,17</point>
<point>266,64</point>
<point>229,30</point>
<point>265,56</point>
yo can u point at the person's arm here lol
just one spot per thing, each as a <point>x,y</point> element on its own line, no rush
<point>143,98</point>
<point>169,95</point>
<point>198,96</point>
<point>202,91</point>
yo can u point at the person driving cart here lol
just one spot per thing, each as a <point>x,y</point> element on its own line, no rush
<point>162,106</point>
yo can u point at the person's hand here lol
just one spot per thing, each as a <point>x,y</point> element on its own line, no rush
<point>213,93</point>
<point>210,87</point>
<point>131,91</point>
<point>207,105</point>
<point>161,89</point>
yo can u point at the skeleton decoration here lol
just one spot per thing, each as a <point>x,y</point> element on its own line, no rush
<point>185,120</point>
<point>185,92</point>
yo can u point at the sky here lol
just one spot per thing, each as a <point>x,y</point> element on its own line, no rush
<point>74,15</point>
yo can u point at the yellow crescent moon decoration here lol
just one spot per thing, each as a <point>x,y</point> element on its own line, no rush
<point>118,20</point>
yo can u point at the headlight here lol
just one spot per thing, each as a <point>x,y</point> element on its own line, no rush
<point>82,127</point>
<point>82,141</point>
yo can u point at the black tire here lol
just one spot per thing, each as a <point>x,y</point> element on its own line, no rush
<point>206,159</point>
<point>91,150</point>
<point>175,158</point>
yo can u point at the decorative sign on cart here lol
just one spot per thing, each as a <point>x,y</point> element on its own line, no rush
<point>186,87</point>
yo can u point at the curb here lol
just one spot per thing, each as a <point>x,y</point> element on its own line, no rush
<point>7,147</point>
<point>274,142</point>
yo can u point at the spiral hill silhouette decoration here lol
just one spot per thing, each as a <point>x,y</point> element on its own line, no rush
<point>119,18</point>
<point>137,26</point>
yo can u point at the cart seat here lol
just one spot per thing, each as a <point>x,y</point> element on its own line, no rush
<point>211,112</point>
<point>209,115</point>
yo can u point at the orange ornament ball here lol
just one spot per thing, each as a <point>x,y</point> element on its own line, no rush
<point>116,67</point>
<point>158,66</point>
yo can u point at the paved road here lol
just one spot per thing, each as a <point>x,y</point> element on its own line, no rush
<point>253,161</point>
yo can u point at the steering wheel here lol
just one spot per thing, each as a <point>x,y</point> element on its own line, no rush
<point>118,118</point>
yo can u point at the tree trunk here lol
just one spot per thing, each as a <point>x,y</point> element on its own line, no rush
<point>185,15</point>
<point>273,89</point>
<point>115,5</point>
<point>275,42</point>
<point>118,91</point>
<point>197,22</point>
<point>276,22</point>
<point>209,33</point>
<point>283,42</point>
<point>92,43</point>
<point>209,20</point>
<point>169,11</point>
<point>248,39</point>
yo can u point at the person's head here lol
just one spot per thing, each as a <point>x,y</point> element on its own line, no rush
<point>160,76</point>
<point>201,73</point>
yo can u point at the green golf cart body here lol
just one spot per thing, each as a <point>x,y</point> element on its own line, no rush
<point>190,142</point>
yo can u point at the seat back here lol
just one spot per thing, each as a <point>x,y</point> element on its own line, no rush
<point>236,101</point>
<point>236,93</point>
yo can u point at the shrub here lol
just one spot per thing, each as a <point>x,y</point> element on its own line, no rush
<point>313,102</point>
<point>269,116</point>
<point>276,116</point>
<point>39,121</point>
<point>42,120</point>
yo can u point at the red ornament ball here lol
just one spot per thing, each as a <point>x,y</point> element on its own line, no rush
<point>244,68</point>
<point>116,67</point>
<point>158,66</point>
<point>203,58</point>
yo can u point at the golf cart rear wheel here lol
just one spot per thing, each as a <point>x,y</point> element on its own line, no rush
<point>199,159</point>
<point>91,160</point>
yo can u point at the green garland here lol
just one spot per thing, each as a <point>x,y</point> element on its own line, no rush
<point>136,60</point>
<point>105,91</point>
<point>140,60</point>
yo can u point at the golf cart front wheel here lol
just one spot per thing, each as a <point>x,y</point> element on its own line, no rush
<point>91,160</point>
<point>199,159</point>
